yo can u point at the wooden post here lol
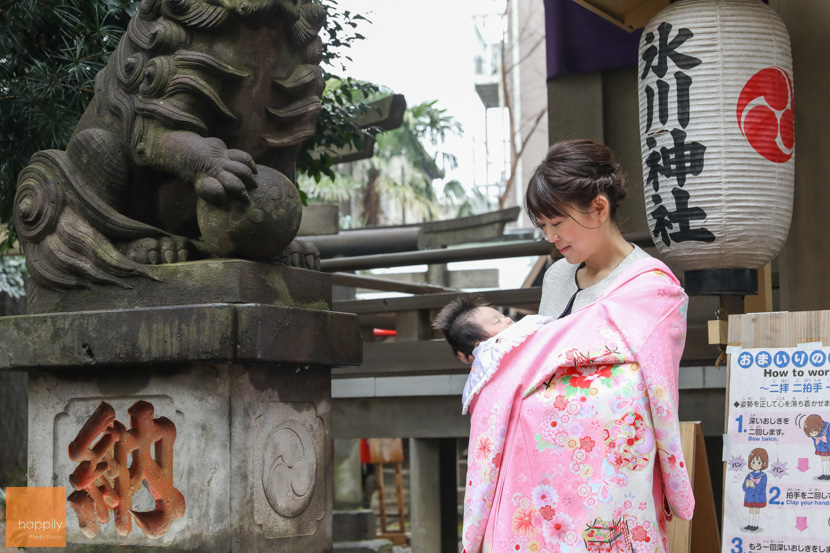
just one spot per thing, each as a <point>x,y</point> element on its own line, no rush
<point>700,535</point>
<point>399,491</point>
<point>413,325</point>
<point>448,494</point>
<point>762,301</point>
<point>381,497</point>
<point>389,450</point>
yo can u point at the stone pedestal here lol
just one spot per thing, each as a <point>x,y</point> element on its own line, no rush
<point>245,386</point>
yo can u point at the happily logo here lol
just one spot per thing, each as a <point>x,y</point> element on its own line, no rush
<point>765,114</point>
<point>36,517</point>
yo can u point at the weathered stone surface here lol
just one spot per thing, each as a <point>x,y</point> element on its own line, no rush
<point>354,525</point>
<point>364,546</point>
<point>196,282</point>
<point>180,334</point>
<point>13,386</point>
<point>250,455</point>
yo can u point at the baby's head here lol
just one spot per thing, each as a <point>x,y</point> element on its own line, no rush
<point>468,320</point>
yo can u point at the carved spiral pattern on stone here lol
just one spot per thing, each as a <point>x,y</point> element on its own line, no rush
<point>178,6</point>
<point>166,36</point>
<point>289,471</point>
<point>37,205</point>
<point>131,71</point>
<point>148,7</point>
<point>157,75</point>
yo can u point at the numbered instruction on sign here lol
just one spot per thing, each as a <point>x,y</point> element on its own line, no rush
<point>777,485</point>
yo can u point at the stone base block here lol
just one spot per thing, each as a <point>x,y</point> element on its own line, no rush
<point>354,525</point>
<point>246,446</point>
<point>195,282</point>
<point>364,546</point>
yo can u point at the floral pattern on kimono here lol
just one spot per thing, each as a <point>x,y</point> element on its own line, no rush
<point>574,436</point>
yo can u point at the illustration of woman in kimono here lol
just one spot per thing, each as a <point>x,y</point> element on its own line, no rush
<point>816,428</point>
<point>574,422</point>
<point>755,486</point>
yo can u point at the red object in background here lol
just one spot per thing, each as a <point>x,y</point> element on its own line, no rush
<point>365,456</point>
<point>382,332</point>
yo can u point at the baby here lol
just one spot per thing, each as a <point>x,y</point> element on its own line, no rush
<point>480,336</point>
<point>467,321</point>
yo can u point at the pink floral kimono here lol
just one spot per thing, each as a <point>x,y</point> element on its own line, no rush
<point>575,443</point>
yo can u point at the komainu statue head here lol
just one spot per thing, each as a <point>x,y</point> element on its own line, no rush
<point>186,149</point>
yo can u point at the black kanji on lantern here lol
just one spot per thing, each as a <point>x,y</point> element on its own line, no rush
<point>665,50</point>
<point>656,60</point>
<point>681,216</point>
<point>679,161</point>
<point>683,158</point>
<point>683,84</point>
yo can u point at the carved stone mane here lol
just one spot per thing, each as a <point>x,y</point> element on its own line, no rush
<point>196,120</point>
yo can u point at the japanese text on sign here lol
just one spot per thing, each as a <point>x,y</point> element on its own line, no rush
<point>777,486</point>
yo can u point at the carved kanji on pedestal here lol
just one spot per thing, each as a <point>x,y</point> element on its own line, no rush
<point>122,460</point>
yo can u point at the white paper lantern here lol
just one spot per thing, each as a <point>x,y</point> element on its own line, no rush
<point>716,132</point>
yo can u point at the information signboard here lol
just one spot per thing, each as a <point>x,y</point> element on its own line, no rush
<point>777,450</point>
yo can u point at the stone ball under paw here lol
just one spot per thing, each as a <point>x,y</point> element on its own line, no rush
<point>258,228</point>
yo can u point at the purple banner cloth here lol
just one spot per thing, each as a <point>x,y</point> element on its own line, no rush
<point>579,41</point>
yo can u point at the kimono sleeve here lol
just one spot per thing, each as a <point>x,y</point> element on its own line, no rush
<point>659,358</point>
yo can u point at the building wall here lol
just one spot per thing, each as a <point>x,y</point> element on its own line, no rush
<point>803,262</point>
<point>525,77</point>
<point>604,106</point>
<point>532,117</point>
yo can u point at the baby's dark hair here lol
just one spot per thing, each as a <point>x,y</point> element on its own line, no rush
<point>573,173</point>
<point>454,321</point>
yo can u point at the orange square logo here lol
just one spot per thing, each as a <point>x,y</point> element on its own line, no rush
<point>35,517</point>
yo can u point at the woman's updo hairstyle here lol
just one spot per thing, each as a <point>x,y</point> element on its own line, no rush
<point>573,173</point>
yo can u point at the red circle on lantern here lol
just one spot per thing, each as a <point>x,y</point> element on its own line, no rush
<point>765,114</point>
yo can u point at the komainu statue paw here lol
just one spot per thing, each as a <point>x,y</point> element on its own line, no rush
<point>300,254</point>
<point>158,251</point>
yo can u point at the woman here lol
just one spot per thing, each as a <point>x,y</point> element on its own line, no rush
<point>575,441</point>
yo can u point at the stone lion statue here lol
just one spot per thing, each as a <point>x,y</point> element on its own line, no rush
<point>184,149</point>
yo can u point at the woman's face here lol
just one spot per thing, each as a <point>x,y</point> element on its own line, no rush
<point>756,464</point>
<point>576,235</point>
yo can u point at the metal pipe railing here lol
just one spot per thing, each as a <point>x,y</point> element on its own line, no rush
<point>450,255</point>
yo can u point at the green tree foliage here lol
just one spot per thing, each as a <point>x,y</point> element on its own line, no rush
<point>51,50</point>
<point>344,98</point>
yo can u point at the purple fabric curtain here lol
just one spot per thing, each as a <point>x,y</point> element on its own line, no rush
<point>579,41</point>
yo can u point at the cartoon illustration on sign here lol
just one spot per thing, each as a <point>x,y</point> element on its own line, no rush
<point>816,428</point>
<point>755,486</point>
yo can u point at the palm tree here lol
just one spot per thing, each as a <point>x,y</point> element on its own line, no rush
<point>402,170</point>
